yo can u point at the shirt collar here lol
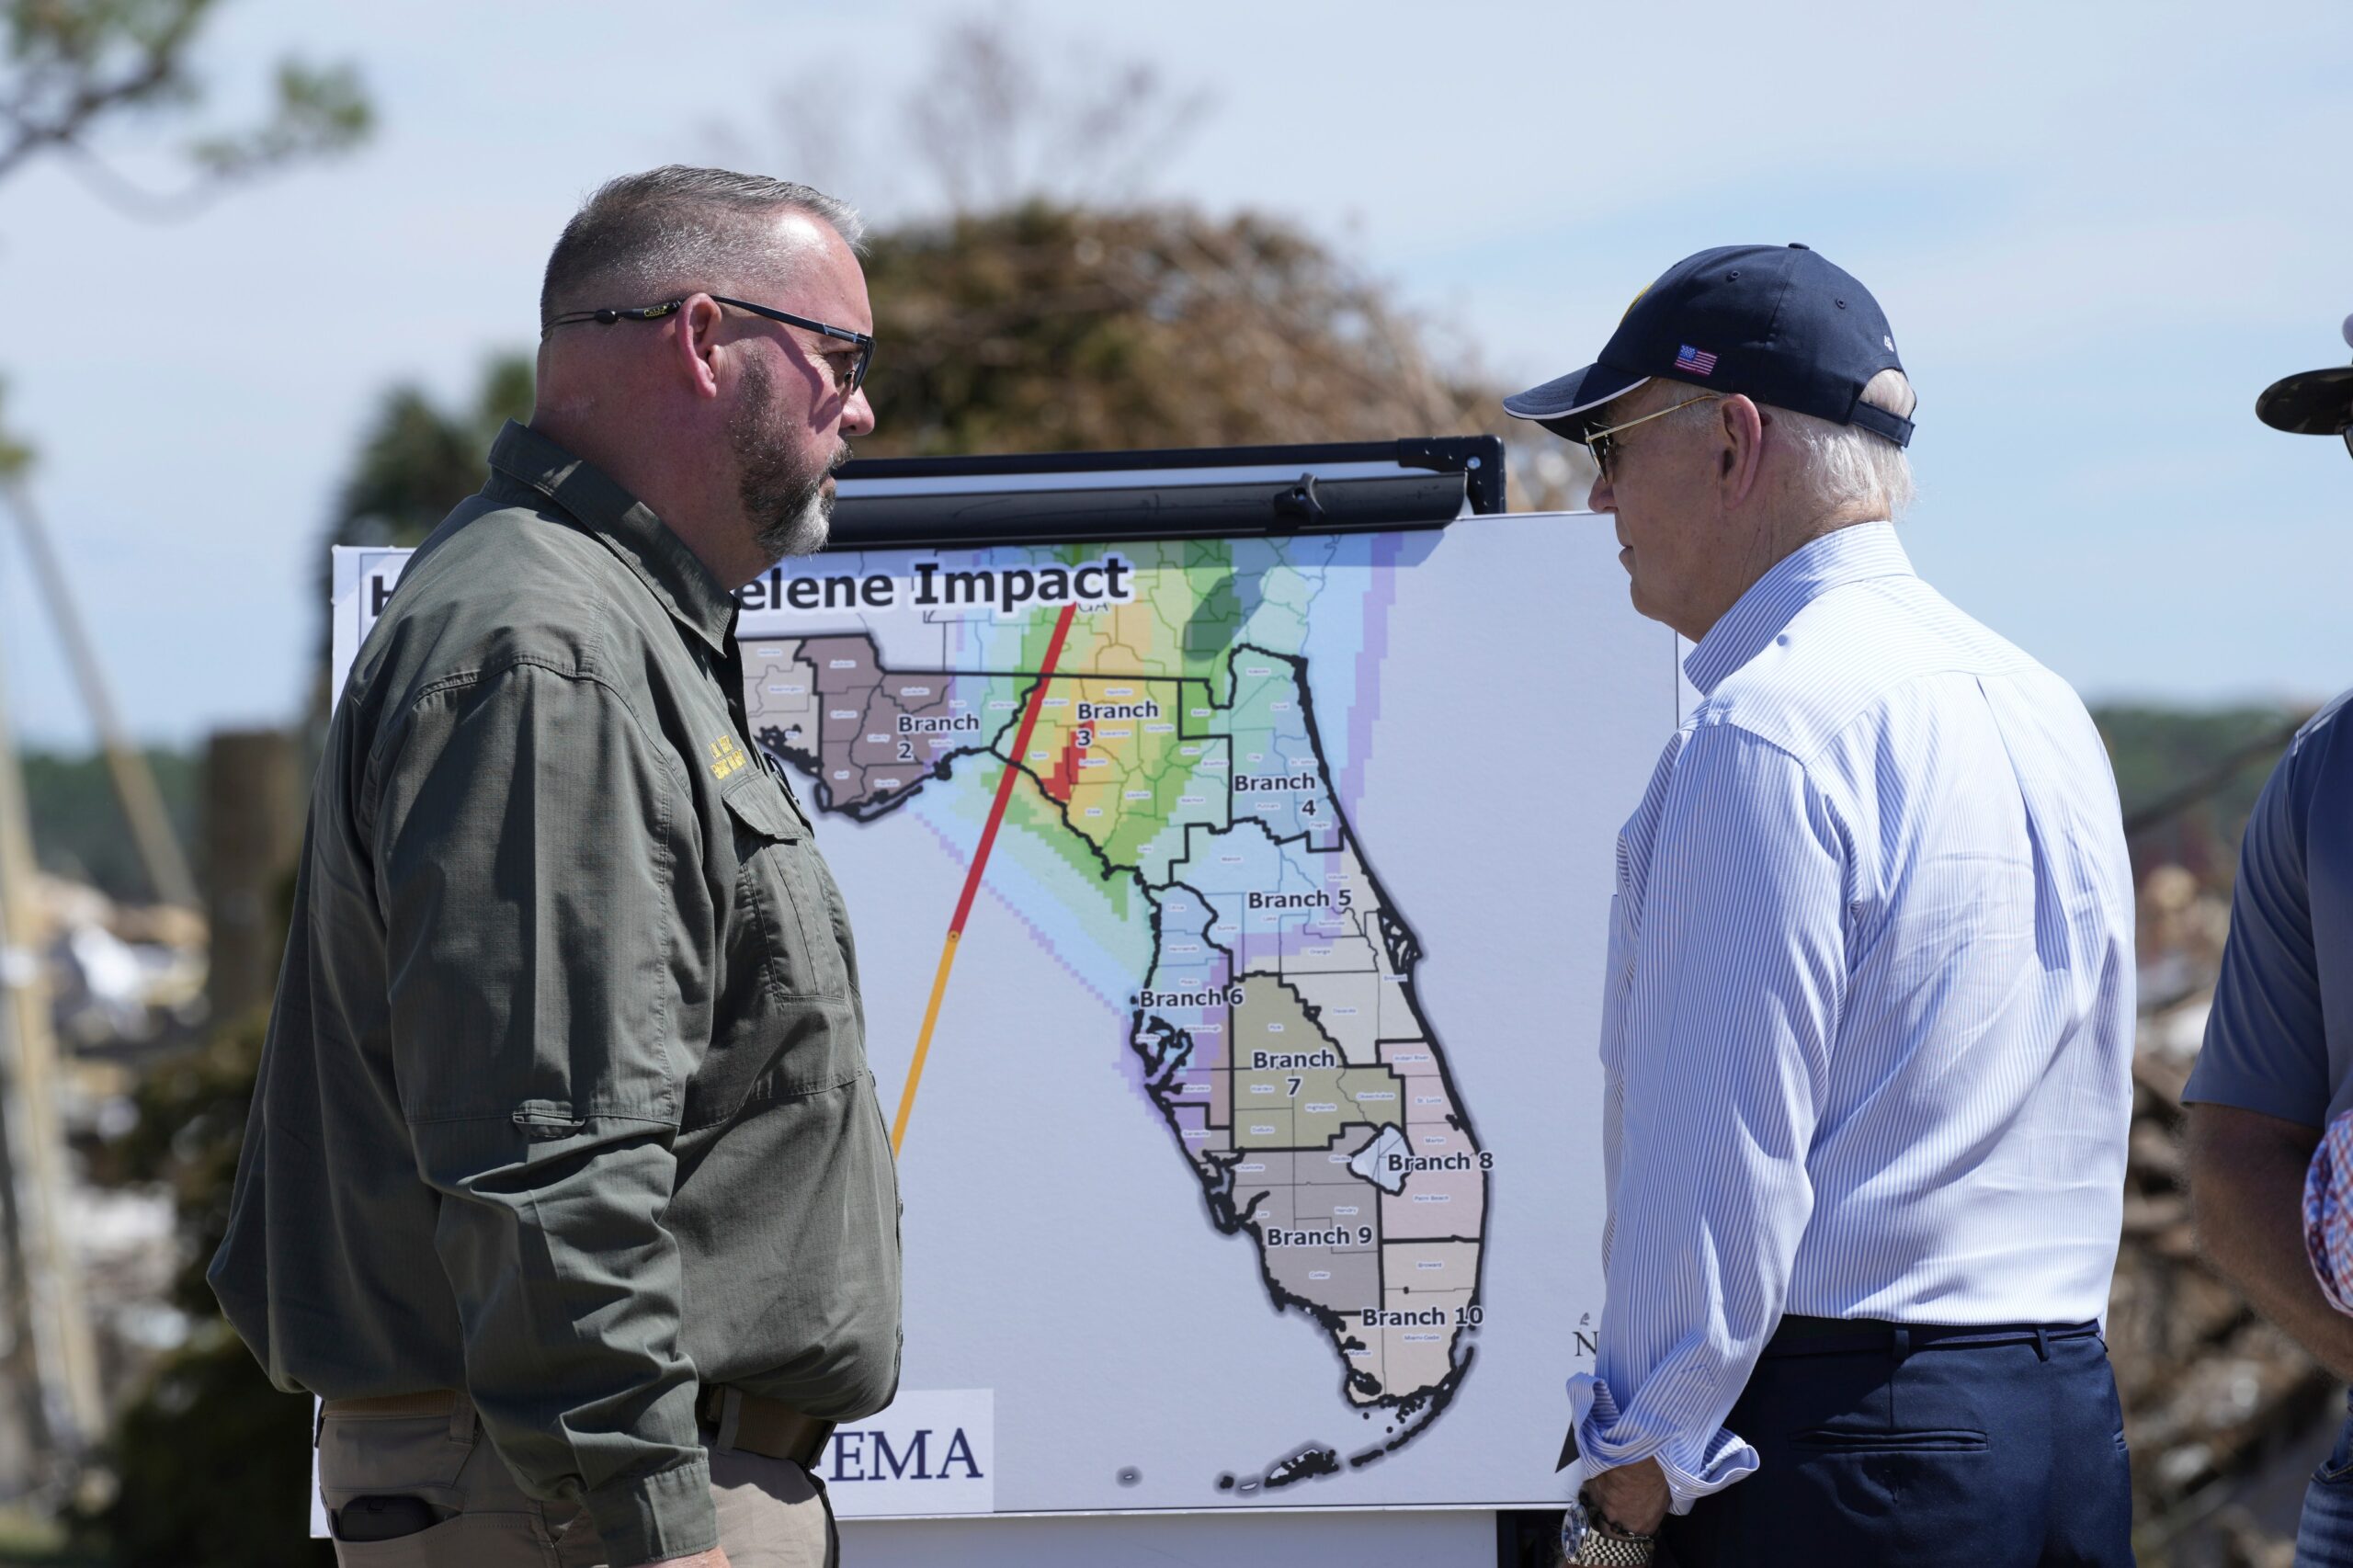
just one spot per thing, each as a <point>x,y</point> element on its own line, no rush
<point>1852,554</point>
<point>624,525</point>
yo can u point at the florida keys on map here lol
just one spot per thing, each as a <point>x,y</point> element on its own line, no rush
<point>1176,754</point>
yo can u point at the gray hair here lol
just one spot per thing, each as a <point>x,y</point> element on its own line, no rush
<point>1846,465</point>
<point>648,238</point>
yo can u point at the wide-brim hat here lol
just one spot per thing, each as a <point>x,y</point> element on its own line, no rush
<point>2311,402</point>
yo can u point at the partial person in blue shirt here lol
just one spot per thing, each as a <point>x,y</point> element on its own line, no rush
<point>2277,1065</point>
<point>1868,1014</point>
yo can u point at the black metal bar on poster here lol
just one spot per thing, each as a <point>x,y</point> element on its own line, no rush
<point>1204,493</point>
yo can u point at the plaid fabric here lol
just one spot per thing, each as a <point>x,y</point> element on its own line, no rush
<point>2328,1213</point>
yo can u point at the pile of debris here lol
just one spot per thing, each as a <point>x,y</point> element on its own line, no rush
<point>2226,1415</point>
<point>126,980</point>
<point>95,1259</point>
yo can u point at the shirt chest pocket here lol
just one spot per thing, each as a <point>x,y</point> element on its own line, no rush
<point>782,895</point>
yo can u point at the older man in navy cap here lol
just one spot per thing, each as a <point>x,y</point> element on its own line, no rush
<point>1867,1014</point>
<point>2277,1065</point>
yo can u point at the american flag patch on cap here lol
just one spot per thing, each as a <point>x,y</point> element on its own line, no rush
<point>1693,360</point>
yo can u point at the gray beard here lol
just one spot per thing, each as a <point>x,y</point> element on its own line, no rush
<point>791,510</point>
<point>796,523</point>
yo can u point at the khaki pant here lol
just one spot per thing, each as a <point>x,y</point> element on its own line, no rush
<point>772,1513</point>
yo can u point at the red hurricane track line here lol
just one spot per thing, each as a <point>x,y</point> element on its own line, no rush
<point>972,877</point>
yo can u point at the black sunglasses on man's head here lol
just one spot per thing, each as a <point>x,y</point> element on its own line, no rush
<point>608,315</point>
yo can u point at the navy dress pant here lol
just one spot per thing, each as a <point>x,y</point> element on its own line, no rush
<point>1927,1447</point>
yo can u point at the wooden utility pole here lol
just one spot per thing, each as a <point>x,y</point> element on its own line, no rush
<point>253,834</point>
<point>53,1334</point>
<point>135,782</point>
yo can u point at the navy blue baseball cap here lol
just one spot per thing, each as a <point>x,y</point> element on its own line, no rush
<point>1776,323</point>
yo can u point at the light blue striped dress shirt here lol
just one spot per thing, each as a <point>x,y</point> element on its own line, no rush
<point>1867,1035</point>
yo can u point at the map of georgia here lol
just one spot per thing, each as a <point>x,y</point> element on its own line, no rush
<point>1276,1029</point>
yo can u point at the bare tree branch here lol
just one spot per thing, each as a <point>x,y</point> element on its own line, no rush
<point>987,127</point>
<point>129,198</point>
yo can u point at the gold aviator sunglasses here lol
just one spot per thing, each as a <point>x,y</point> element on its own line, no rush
<point>1603,443</point>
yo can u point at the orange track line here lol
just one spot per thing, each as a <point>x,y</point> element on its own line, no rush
<point>972,878</point>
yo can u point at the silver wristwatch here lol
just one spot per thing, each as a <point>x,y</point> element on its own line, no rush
<point>1583,1541</point>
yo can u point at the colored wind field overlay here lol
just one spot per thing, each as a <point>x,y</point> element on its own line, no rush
<point>1161,736</point>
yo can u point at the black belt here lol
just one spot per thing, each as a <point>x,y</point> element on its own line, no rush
<point>753,1425</point>
<point>1830,1336</point>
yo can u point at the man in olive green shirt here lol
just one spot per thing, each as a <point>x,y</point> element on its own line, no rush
<point>564,1136</point>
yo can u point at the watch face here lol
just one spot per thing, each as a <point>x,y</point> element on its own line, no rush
<point>1574,1527</point>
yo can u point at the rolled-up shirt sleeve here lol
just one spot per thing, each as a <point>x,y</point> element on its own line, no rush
<point>1731,1005</point>
<point>526,835</point>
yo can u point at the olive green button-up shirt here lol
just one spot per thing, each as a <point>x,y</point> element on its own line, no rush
<point>565,1101</point>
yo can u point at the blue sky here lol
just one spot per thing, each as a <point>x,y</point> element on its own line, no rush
<point>2099,230</point>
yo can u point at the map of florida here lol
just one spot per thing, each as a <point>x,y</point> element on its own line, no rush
<point>1280,1032</point>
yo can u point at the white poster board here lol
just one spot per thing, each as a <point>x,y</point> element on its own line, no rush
<point>1254,1165</point>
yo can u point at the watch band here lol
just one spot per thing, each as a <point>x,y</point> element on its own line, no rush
<point>1599,1548</point>
<point>1585,1542</point>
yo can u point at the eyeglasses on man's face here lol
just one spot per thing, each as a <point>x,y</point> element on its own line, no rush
<point>1605,445</point>
<point>862,344</point>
